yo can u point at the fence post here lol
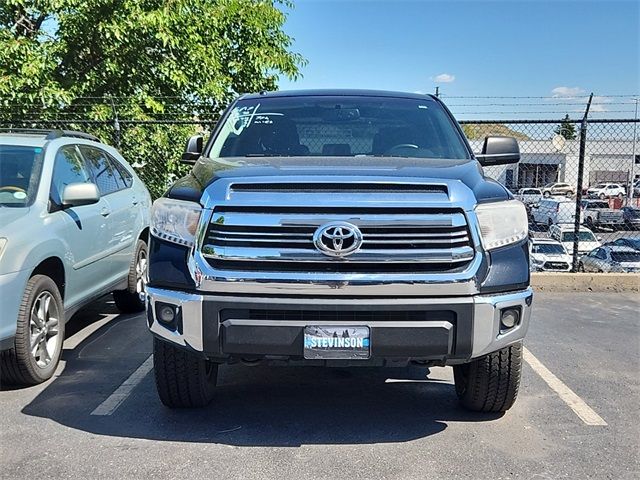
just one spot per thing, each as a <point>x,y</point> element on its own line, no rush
<point>576,224</point>
<point>116,125</point>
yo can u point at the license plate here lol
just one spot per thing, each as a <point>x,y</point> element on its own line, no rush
<point>336,342</point>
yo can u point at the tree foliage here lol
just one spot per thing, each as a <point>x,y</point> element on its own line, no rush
<point>478,131</point>
<point>566,128</point>
<point>52,51</point>
<point>75,60</point>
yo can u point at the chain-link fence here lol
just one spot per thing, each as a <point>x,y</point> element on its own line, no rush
<point>567,167</point>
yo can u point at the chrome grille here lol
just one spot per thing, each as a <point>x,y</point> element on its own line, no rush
<point>283,238</point>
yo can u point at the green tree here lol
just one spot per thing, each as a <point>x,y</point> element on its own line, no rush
<point>566,128</point>
<point>63,58</point>
<point>52,51</point>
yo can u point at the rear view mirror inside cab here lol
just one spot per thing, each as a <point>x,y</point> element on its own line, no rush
<point>340,114</point>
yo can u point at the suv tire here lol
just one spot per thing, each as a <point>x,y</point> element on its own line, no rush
<point>490,383</point>
<point>183,379</point>
<point>129,300</point>
<point>39,336</point>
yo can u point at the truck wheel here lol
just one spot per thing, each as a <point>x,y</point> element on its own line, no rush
<point>490,383</point>
<point>183,380</point>
<point>131,300</point>
<point>39,335</point>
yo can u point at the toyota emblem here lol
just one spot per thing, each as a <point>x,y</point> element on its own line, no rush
<point>338,239</point>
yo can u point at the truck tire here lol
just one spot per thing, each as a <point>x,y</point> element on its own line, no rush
<point>490,383</point>
<point>131,300</point>
<point>37,347</point>
<point>183,380</point>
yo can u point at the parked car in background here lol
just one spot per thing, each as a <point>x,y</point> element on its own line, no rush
<point>73,226</point>
<point>550,211</point>
<point>606,190</point>
<point>611,258</point>
<point>631,217</point>
<point>558,189</point>
<point>565,234</point>
<point>598,214</point>
<point>626,242</point>
<point>529,195</point>
<point>548,255</point>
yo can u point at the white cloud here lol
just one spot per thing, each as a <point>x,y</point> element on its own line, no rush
<point>566,92</point>
<point>444,78</point>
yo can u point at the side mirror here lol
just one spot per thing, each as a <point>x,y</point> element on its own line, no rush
<point>499,151</point>
<point>193,149</point>
<point>78,194</point>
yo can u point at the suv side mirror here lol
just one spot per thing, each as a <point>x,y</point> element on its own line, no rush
<point>193,149</point>
<point>78,194</point>
<point>499,151</point>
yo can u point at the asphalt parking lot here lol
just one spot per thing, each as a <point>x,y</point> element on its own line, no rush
<point>305,423</point>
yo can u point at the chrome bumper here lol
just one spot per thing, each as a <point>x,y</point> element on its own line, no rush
<point>484,310</point>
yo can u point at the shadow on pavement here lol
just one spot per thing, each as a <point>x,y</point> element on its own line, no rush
<point>255,406</point>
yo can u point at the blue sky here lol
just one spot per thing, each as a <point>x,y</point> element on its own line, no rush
<point>561,49</point>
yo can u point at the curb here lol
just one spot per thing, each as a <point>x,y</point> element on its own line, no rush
<point>585,282</point>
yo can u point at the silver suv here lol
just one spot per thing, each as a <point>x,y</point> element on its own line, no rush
<point>73,227</point>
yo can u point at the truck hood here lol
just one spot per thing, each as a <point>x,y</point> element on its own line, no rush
<point>206,171</point>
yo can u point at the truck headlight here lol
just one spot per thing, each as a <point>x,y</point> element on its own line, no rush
<point>502,223</point>
<point>175,220</point>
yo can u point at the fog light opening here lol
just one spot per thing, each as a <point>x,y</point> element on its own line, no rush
<point>509,318</point>
<point>166,313</point>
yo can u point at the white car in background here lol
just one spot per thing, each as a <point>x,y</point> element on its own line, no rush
<point>606,190</point>
<point>548,255</point>
<point>551,211</point>
<point>565,234</point>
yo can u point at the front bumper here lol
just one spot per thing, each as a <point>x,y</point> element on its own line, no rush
<point>443,330</point>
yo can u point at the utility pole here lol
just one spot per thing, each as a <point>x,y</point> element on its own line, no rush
<point>576,224</point>
<point>633,157</point>
<point>438,93</point>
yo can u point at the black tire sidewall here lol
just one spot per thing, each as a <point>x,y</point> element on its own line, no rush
<point>37,285</point>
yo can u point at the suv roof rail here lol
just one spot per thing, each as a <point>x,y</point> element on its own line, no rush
<point>51,134</point>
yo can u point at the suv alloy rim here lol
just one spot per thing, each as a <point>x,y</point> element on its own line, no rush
<point>43,329</point>
<point>141,271</point>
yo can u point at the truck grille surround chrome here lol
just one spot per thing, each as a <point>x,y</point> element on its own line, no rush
<point>272,238</point>
<point>258,236</point>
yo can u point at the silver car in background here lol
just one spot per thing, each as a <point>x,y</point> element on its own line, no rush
<point>74,222</point>
<point>611,258</point>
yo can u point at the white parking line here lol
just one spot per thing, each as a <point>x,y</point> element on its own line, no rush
<point>114,400</point>
<point>568,396</point>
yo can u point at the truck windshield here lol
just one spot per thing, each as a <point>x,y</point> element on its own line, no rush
<point>548,249</point>
<point>19,174</point>
<point>339,126</point>
<point>582,237</point>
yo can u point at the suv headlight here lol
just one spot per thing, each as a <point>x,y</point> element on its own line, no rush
<point>175,220</point>
<point>502,223</point>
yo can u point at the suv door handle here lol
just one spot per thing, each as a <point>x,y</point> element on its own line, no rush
<point>105,212</point>
<point>134,201</point>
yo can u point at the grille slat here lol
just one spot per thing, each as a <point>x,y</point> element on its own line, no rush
<point>275,239</point>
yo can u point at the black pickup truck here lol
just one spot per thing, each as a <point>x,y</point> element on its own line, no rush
<point>339,228</point>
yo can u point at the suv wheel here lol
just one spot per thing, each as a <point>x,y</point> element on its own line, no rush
<point>39,335</point>
<point>132,299</point>
<point>490,383</point>
<point>546,194</point>
<point>183,379</point>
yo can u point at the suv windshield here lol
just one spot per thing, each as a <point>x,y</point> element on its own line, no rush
<point>582,237</point>
<point>338,126</point>
<point>19,174</point>
<point>548,249</point>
